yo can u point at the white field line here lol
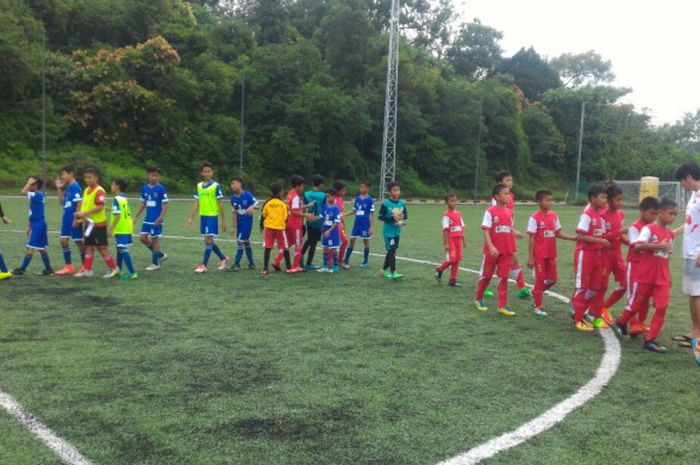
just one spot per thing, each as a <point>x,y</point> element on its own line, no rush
<point>606,370</point>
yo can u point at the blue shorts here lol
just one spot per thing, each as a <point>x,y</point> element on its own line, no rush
<point>69,232</point>
<point>38,236</point>
<point>361,230</point>
<point>151,229</point>
<point>122,240</point>
<point>391,242</point>
<point>333,241</point>
<point>209,225</point>
<point>243,232</point>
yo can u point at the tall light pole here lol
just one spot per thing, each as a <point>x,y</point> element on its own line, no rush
<point>391,102</point>
<point>242,129</point>
<point>478,151</point>
<point>43,104</point>
<point>580,147</point>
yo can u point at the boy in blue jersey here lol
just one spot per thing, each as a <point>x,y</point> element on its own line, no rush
<point>37,231</point>
<point>70,196</point>
<point>121,228</point>
<point>209,204</point>
<point>154,199</point>
<point>243,204</point>
<point>331,232</point>
<point>314,228</point>
<point>363,209</point>
<point>4,272</point>
<point>394,214</point>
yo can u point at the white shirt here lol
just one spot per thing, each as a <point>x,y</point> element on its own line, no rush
<point>691,229</point>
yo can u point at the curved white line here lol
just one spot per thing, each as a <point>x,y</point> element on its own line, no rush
<point>606,370</point>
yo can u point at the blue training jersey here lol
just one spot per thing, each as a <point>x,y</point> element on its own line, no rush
<point>240,204</point>
<point>154,197</point>
<point>71,198</point>
<point>364,208</point>
<point>331,215</point>
<point>37,201</point>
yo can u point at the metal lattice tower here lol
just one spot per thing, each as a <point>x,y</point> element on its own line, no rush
<point>391,102</point>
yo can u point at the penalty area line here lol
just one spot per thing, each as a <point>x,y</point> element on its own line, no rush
<point>606,371</point>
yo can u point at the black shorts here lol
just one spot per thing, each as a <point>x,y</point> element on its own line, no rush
<point>314,234</point>
<point>97,237</point>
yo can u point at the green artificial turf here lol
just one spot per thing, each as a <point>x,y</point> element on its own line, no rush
<point>236,368</point>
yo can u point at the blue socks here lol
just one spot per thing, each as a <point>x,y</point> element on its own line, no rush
<point>66,255</point>
<point>366,255</point>
<point>335,260</point>
<point>156,256</point>
<point>348,252</point>
<point>125,256</point>
<point>45,259</point>
<point>3,266</point>
<point>27,260</point>
<point>249,253</point>
<point>239,255</point>
<point>215,248</point>
<point>207,254</point>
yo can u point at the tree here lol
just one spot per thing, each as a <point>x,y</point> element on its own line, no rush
<point>475,52</point>
<point>583,69</point>
<point>531,73</point>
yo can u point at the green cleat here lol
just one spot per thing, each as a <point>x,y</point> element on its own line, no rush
<point>396,276</point>
<point>387,274</point>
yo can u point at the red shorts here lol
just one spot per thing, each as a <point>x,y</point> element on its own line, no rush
<point>502,262</point>
<point>295,236</point>
<point>590,269</point>
<point>270,236</point>
<point>640,293</point>
<point>616,265</point>
<point>546,269</point>
<point>456,247</point>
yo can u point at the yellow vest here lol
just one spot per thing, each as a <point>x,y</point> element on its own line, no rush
<point>208,203</point>
<point>124,223</point>
<point>89,203</point>
<point>275,213</point>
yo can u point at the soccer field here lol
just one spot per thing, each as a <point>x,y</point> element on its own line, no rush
<point>235,368</point>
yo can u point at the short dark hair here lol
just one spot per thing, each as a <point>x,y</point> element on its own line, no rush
<point>153,169</point>
<point>332,191</point>
<point>70,169</point>
<point>121,183</point>
<point>276,189</point>
<point>649,203</point>
<point>391,185</point>
<point>689,168</point>
<point>542,193</point>
<point>39,182</point>
<point>297,180</point>
<point>318,180</point>
<point>497,189</point>
<point>501,175</point>
<point>667,204</point>
<point>595,190</point>
<point>613,190</point>
<point>365,182</point>
<point>339,185</point>
<point>238,179</point>
<point>206,164</point>
<point>91,170</point>
<point>450,196</point>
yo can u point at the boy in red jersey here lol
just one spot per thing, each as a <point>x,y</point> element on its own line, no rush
<point>295,224</point>
<point>652,277</point>
<point>499,248</point>
<point>589,263</point>
<point>649,210</point>
<point>341,190</point>
<point>614,219</point>
<point>506,178</point>
<point>544,228</point>
<point>453,239</point>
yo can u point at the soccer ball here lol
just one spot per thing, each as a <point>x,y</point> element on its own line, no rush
<point>398,214</point>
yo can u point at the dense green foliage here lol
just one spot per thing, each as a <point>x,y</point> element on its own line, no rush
<point>161,80</point>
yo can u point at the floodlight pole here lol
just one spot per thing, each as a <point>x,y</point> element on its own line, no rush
<point>580,146</point>
<point>43,104</point>
<point>388,173</point>
<point>478,151</point>
<point>242,128</point>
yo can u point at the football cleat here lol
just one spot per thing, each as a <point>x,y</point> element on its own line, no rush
<point>454,283</point>
<point>480,305</point>
<point>19,272</point>
<point>583,326</point>
<point>335,269</point>
<point>599,323</point>
<point>438,274</point>
<point>200,269</point>
<point>84,274</point>
<point>45,272</point>
<point>345,266</point>
<point>620,329</point>
<point>5,275</point>
<point>396,276</point>
<point>129,276</point>
<point>653,346</point>
<point>637,328</point>
<point>539,312</point>
<point>607,317</point>
<point>235,267</point>
<point>323,269</point>
<point>506,311</point>
<point>68,269</point>
<point>364,265</point>
<point>111,274</point>
<point>224,263</point>
<point>153,267</point>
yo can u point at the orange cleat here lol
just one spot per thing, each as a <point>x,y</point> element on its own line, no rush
<point>637,328</point>
<point>66,270</point>
<point>607,317</point>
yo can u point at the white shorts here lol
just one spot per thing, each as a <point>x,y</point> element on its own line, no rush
<point>691,278</point>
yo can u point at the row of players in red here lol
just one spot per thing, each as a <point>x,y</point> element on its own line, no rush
<point>600,235</point>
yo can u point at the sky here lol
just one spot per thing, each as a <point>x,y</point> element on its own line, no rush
<point>652,44</point>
